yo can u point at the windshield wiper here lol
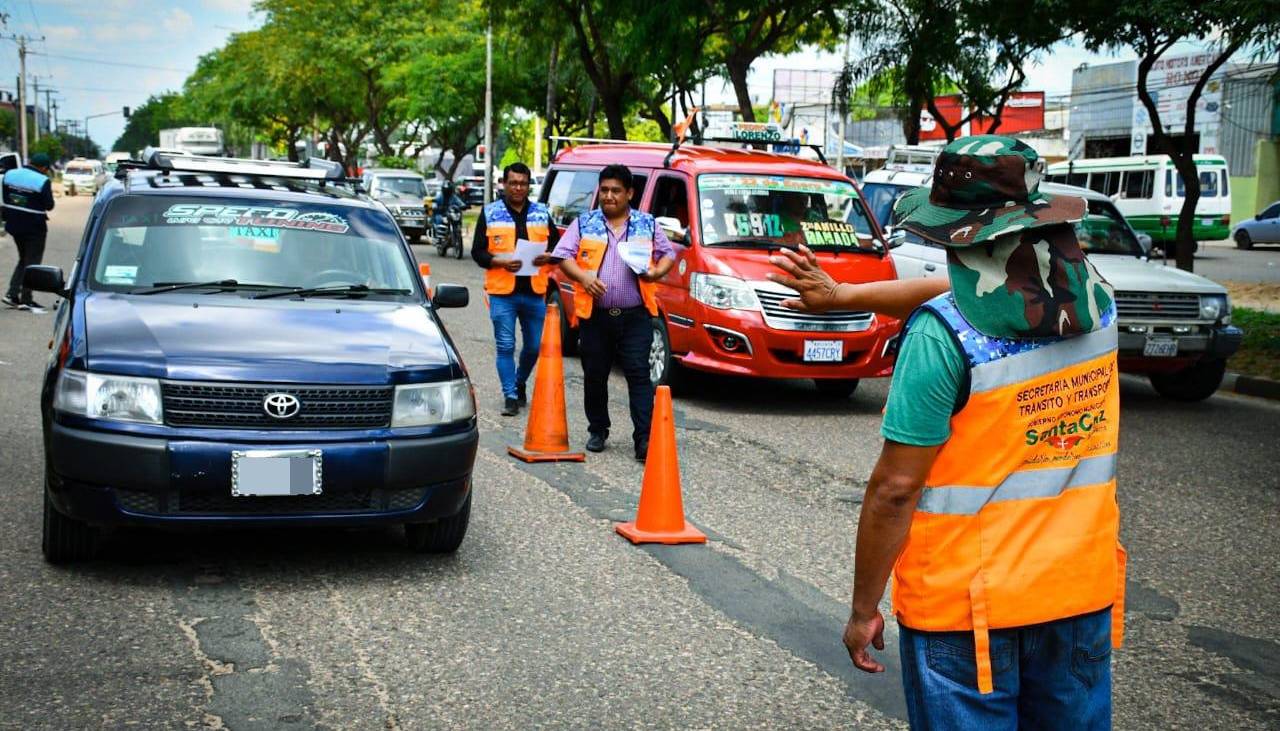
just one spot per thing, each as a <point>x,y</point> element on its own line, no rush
<point>346,290</point>
<point>221,285</point>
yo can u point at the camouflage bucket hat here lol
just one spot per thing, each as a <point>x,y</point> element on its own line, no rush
<point>983,187</point>
<point>1031,283</point>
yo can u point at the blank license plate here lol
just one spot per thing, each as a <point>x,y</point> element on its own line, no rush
<point>1208,221</point>
<point>1160,347</point>
<point>823,351</point>
<point>275,472</point>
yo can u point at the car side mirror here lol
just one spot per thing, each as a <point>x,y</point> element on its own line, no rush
<point>897,237</point>
<point>1144,241</point>
<point>44,278</point>
<point>451,295</point>
<point>671,226</point>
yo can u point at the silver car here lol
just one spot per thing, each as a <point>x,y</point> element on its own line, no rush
<point>1263,228</point>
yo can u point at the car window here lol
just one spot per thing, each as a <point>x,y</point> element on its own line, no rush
<point>1138,183</point>
<point>1226,189</point>
<point>748,210</point>
<point>1106,183</point>
<point>638,183</point>
<point>146,240</point>
<point>1103,230</point>
<point>671,199</point>
<point>1209,184</point>
<point>881,197</point>
<point>401,185</point>
<point>1272,211</point>
<point>571,194</point>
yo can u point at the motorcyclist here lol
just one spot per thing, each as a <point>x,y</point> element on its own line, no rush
<point>446,199</point>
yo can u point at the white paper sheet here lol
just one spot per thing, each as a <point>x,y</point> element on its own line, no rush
<point>526,252</point>
<point>636,254</point>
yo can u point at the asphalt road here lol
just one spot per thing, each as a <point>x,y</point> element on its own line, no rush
<point>1221,261</point>
<point>546,618</point>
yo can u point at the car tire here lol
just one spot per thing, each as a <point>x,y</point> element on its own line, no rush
<point>836,388</point>
<point>440,536</point>
<point>568,334</point>
<point>664,369</point>
<point>1243,241</point>
<point>66,540</point>
<point>1194,383</point>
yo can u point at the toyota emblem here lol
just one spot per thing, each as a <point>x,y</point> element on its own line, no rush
<point>281,405</point>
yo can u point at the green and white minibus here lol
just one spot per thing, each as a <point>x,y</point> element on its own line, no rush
<point>1148,191</point>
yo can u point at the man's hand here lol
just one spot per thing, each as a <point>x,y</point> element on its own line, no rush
<point>652,274</point>
<point>541,260</point>
<point>503,262</point>
<point>859,633</point>
<point>594,287</point>
<point>816,288</point>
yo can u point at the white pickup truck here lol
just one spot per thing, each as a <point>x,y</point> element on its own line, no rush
<point>1174,326</point>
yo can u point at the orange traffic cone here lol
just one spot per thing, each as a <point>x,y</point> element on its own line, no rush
<point>660,516</point>
<point>546,436</point>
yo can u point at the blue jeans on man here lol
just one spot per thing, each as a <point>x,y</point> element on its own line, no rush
<point>505,311</point>
<point>1050,676</point>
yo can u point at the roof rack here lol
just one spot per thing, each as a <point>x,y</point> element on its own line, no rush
<point>751,133</point>
<point>172,161</point>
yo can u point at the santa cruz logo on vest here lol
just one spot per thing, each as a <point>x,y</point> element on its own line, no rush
<point>1066,434</point>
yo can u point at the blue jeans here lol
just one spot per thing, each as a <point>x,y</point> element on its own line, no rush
<point>504,310</point>
<point>1055,675</point>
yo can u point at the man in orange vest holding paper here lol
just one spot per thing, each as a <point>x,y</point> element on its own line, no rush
<point>516,292</point>
<point>993,502</point>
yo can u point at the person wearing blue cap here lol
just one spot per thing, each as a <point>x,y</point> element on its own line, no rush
<point>27,199</point>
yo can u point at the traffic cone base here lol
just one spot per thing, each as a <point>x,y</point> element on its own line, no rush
<point>527,456</point>
<point>688,534</point>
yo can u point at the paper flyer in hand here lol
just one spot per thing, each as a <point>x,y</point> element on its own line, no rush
<point>526,252</point>
<point>636,255</point>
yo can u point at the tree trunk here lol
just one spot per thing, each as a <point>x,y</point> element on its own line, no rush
<point>659,115</point>
<point>291,139</point>
<point>911,124</point>
<point>1186,167</point>
<point>738,77</point>
<point>613,113</point>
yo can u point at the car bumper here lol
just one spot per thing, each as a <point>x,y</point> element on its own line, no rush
<point>108,478</point>
<point>773,353</point>
<point>1207,342</point>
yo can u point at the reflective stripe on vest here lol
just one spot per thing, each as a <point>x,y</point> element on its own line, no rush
<point>1018,523</point>
<point>593,230</point>
<point>500,229</point>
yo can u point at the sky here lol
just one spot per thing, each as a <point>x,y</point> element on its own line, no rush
<point>101,55</point>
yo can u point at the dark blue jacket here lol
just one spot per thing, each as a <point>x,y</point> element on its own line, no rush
<point>28,195</point>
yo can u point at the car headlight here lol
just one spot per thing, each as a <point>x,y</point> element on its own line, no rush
<point>723,293</point>
<point>1216,307</point>
<point>424,404</point>
<point>100,396</point>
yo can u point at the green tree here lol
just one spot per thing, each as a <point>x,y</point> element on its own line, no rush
<point>50,145</point>
<point>1151,30</point>
<point>161,111</point>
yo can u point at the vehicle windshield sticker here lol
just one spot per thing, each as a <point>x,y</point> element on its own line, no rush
<point>829,233</point>
<point>117,274</point>
<point>754,224</point>
<point>754,184</point>
<point>254,216</point>
<point>256,232</point>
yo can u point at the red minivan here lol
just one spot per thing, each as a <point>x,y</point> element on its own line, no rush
<point>726,210</point>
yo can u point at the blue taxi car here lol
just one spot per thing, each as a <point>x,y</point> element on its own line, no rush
<point>249,343</point>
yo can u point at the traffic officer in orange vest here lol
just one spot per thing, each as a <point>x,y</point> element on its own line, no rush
<point>993,502</point>
<point>615,303</point>
<point>506,221</point>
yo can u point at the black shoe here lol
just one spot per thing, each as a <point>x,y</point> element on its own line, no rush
<point>10,302</point>
<point>595,442</point>
<point>522,395</point>
<point>642,452</point>
<point>510,407</point>
<point>33,306</point>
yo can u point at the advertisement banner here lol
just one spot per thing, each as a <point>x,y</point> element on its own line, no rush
<point>1024,112</point>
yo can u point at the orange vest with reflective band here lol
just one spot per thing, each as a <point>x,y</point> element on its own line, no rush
<point>500,229</point>
<point>593,230</point>
<point>1018,522</point>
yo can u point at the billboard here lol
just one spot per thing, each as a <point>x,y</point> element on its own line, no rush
<point>1170,82</point>
<point>1024,112</point>
<point>803,86</point>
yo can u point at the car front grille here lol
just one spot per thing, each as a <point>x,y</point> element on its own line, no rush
<point>1157,306</point>
<point>411,212</point>
<point>223,503</point>
<point>780,318</point>
<point>241,406</point>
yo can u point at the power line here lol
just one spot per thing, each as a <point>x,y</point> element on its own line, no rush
<point>111,63</point>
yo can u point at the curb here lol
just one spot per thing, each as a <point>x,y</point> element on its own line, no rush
<point>1251,386</point>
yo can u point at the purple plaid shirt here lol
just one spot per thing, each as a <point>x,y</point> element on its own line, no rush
<point>622,285</point>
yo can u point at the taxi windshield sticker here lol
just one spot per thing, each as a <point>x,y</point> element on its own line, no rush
<point>829,233</point>
<point>254,217</point>
<point>754,184</point>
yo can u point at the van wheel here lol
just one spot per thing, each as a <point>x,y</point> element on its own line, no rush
<point>66,540</point>
<point>1243,241</point>
<point>1195,383</point>
<point>664,370</point>
<point>441,536</point>
<point>836,388</point>
<point>568,335</point>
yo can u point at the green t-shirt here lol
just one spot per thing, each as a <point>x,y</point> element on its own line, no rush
<point>926,382</point>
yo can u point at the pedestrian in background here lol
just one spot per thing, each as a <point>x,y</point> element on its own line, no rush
<point>27,199</point>
<point>993,502</point>
<point>512,298</point>
<point>614,304</point>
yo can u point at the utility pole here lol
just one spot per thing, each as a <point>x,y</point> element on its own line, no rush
<point>844,113</point>
<point>35,112</point>
<point>22,42</point>
<point>488,113</point>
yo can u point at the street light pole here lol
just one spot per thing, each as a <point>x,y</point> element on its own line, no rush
<point>488,113</point>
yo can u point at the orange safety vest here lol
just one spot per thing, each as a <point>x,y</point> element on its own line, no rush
<point>1018,522</point>
<point>593,230</point>
<point>500,230</point>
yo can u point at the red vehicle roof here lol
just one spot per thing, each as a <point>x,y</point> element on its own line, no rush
<point>694,159</point>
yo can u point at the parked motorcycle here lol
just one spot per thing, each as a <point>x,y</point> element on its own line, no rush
<point>447,231</point>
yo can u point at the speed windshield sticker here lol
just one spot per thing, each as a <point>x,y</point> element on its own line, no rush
<point>255,216</point>
<point>829,233</point>
<point>765,183</point>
